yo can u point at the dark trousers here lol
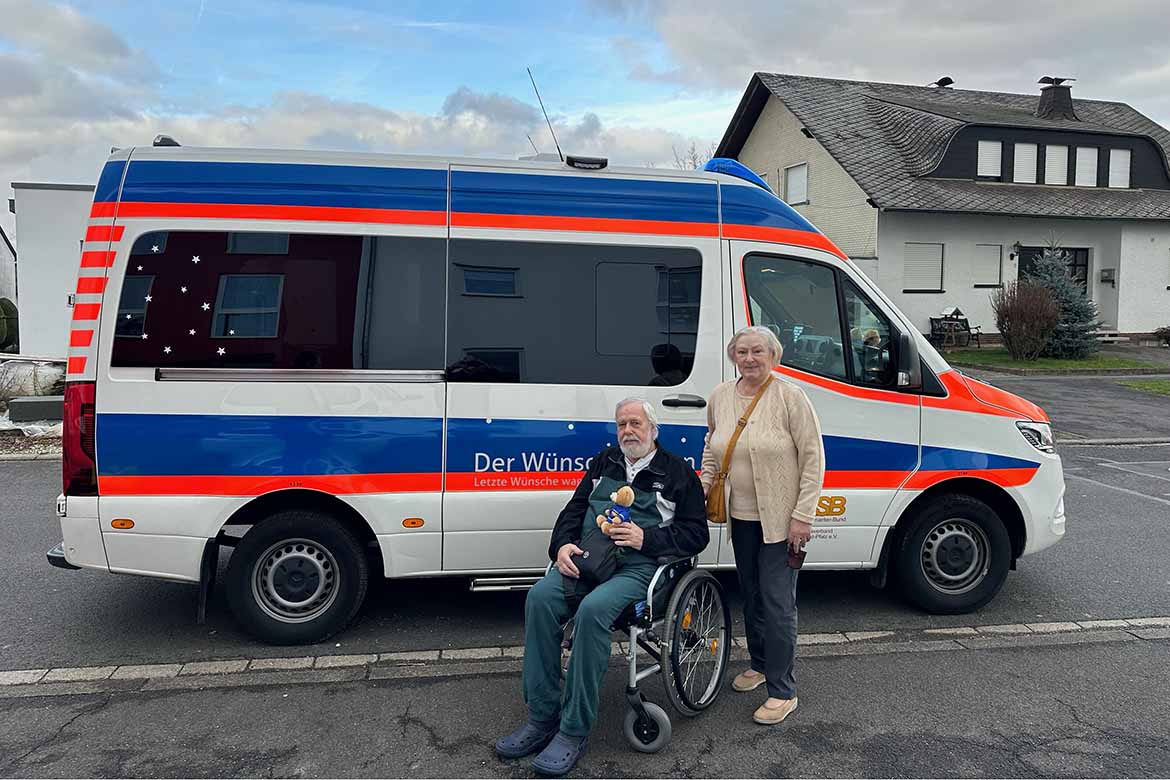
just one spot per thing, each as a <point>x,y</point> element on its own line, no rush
<point>768,585</point>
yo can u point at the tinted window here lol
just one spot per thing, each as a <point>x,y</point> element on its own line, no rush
<point>581,314</point>
<point>869,340</point>
<point>798,301</point>
<point>329,301</point>
<point>489,281</point>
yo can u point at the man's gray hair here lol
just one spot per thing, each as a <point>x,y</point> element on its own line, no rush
<point>769,336</point>
<point>647,407</point>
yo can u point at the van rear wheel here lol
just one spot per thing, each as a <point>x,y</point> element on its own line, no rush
<point>954,556</point>
<point>297,577</point>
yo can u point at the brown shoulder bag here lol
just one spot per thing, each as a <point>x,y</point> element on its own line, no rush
<point>716,504</point>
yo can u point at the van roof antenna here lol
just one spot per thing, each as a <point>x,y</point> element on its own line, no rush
<point>546,119</point>
<point>529,137</point>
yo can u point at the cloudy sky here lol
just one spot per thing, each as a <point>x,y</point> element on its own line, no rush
<point>629,79</point>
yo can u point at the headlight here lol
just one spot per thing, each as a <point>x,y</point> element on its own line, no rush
<point>1038,434</point>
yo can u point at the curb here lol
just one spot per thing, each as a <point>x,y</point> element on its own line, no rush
<point>31,456</point>
<point>1088,442</point>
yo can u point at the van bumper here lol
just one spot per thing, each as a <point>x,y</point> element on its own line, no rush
<point>56,558</point>
<point>1046,523</point>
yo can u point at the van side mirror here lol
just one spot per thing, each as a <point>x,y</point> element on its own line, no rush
<point>909,366</point>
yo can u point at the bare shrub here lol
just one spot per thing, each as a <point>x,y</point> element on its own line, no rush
<point>1026,315</point>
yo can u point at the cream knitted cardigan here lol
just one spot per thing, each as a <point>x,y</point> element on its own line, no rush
<point>787,453</point>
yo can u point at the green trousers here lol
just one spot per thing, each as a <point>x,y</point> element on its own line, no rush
<point>545,615</point>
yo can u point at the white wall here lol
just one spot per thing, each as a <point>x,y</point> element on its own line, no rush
<point>50,223</point>
<point>1143,284</point>
<point>836,205</point>
<point>1141,278</point>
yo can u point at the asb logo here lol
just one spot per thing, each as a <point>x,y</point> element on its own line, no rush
<point>831,506</point>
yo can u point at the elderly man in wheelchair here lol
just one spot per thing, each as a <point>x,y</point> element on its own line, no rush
<point>638,578</point>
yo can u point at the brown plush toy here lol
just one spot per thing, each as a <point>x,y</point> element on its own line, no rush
<point>623,499</point>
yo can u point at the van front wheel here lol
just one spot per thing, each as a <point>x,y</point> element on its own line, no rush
<point>954,556</point>
<point>297,577</point>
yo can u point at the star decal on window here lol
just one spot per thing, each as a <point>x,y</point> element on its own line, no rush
<point>206,307</point>
<point>221,352</point>
<point>145,337</point>
<point>166,350</point>
<point>154,248</point>
<point>190,332</point>
<point>182,289</point>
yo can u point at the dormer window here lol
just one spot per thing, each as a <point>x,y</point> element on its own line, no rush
<point>1055,164</point>
<point>1086,166</point>
<point>990,160</point>
<point>1024,169</point>
<point>1119,160</point>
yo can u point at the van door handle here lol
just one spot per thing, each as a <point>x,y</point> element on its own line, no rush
<point>694,401</point>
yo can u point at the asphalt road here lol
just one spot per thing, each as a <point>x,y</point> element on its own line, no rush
<point>1112,564</point>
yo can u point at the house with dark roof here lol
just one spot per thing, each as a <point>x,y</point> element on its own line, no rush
<point>942,195</point>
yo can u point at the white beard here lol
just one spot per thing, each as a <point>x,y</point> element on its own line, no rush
<point>636,451</point>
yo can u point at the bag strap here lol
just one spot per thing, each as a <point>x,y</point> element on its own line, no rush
<point>739,426</point>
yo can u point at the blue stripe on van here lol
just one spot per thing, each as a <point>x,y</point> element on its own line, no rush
<point>946,459</point>
<point>753,206</point>
<point>282,184</point>
<point>844,453</point>
<point>108,183</point>
<point>249,445</point>
<point>483,192</point>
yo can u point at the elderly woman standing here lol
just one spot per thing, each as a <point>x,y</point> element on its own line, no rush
<point>772,486</point>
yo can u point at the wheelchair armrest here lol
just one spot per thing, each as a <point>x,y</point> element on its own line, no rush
<point>665,563</point>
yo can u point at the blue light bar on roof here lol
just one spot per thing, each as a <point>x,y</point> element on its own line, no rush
<point>737,169</point>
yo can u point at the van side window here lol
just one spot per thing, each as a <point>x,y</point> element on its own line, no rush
<point>869,340</point>
<point>798,301</point>
<point>211,299</point>
<point>572,313</point>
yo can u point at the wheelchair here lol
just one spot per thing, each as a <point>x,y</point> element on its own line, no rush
<point>684,626</point>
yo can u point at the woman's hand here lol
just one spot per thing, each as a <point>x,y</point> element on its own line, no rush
<point>799,532</point>
<point>706,489</point>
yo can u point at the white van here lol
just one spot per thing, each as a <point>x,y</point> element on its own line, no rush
<point>368,363</point>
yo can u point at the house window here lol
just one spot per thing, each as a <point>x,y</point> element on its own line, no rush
<point>1024,170</point>
<point>1119,168</point>
<point>796,183</point>
<point>987,270</point>
<point>990,163</point>
<point>922,268</point>
<point>248,306</point>
<point>257,243</point>
<point>1056,165</point>
<point>1086,166</point>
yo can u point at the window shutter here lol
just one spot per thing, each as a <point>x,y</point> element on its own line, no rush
<point>796,183</point>
<point>1025,167</point>
<point>990,158</point>
<point>922,266</point>
<point>1086,166</point>
<point>988,263</point>
<point>1119,168</point>
<point>1056,165</point>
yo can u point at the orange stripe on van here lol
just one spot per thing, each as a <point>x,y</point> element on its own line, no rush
<point>591,224</point>
<point>845,388</point>
<point>782,236</point>
<point>1002,477</point>
<point>97,259</point>
<point>100,210</point>
<point>264,211</point>
<point>76,365</point>
<point>105,232</point>
<point>342,484</point>
<point>91,284</point>
<point>80,338</point>
<point>86,311</point>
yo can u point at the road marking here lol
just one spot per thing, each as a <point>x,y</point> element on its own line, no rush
<point>1119,489</point>
<point>1121,467</point>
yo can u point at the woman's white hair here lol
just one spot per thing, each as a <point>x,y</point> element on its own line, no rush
<point>766,333</point>
<point>647,408</point>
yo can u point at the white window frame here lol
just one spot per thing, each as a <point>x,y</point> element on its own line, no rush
<point>220,310</point>
<point>986,153</point>
<point>975,267</point>
<point>787,195</point>
<point>1116,181</point>
<point>1019,165</point>
<point>942,252</point>
<point>1084,153</point>
<point>1049,170</point>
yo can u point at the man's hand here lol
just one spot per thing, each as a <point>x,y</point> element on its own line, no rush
<point>799,532</point>
<point>565,563</point>
<point>627,535</point>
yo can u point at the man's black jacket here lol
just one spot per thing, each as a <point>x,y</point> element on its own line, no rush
<point>667,474</point>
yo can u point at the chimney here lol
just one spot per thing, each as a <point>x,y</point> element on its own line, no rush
<point>1056,100</point>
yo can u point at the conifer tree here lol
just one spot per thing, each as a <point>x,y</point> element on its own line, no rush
<point>1074,337</point>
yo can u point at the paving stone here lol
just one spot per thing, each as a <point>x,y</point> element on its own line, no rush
<point>1050,628</point>
<point>513,652</point>
<point>280,664</point>
<point>146,671</point>
<point>1006,628</point>
<point>335,661</point>
<point>1102,623</point>
<point>1036,640</point>
<point>79,674</point>
<point>861,636</point>
<point>1150,621</point>
<point>820,639</point>
<point>956,631</point>
<point>470,653</point>
<point>410,655</point>
<point>1151,633</point>
<point>215,667</point>
<point>22,676</point>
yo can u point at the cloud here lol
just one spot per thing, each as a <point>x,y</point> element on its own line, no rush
<point>493,108</point>
<point>1116,50</point>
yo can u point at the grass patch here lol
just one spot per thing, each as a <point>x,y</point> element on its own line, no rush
<point>999,356</point>
<point>1155,386</point>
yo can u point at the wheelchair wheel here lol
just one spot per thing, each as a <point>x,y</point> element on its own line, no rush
<point>698,627</point>
<point>650,734</point>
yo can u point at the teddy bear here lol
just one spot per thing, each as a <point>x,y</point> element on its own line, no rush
<point>623,499</point>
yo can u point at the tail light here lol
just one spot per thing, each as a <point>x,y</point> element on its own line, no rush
<point>79,467</point>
